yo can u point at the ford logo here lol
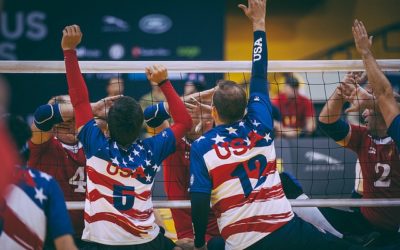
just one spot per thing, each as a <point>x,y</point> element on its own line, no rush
<point>155,24</point>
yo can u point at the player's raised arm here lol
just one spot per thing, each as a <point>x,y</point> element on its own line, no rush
<point>182,119</point>
<point>256,11</point>
<point>380,84</point>
<point>77,89</point>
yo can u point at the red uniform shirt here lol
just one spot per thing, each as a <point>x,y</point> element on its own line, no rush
<point>67,165</point>
<point>294,111</point>
<point>176,182</point>
<point>380,166</point>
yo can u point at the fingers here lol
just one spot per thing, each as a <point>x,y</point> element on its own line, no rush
<point>243,7</point>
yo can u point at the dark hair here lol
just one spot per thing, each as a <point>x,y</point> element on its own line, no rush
<point>291,80</point>
<point>230,101</point>
<point>20,132</point>
<point>125,120</point>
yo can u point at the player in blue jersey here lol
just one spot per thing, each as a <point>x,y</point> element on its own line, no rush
<point>233,166</point>
<point>121,169</point>
<point>33,214</point>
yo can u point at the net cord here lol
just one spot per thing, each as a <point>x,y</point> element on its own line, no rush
<point>194,66</point>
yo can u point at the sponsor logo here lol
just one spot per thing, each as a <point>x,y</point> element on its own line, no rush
<point>149,52</point>
<point>332,164</point>
<point>84,52</point>
<point>116,51</point>
<point>114,24</point>
<point>155,24</point>
<point>188,51</point>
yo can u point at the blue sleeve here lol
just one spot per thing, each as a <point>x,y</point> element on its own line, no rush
<point>259,107</point>
<point>199,178</point>
<point>161,145</point>
<point>155,115</point>
<point>92,138</point>
<point>276,114</point>
<point>58,220</point>
<point>200,204</point>
<point>394,131</point>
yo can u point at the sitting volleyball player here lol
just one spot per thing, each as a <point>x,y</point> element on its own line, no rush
<point>176,172</point>
<point>55,150</point>
<point>33,213</point>
<point>121,169</point>
<point>233,166</point>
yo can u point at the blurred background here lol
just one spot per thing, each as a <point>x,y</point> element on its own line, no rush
<point>201,30</point>
<point>180,30</point>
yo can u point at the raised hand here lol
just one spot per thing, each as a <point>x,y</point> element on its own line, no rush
<point>360,99</point>
<point>156,73</point>
<point>361,39</point>
<point>100,108</point>
<point>255,11</point>
<point>72,36</point>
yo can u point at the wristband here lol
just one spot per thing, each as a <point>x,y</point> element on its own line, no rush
<point>162,82</point>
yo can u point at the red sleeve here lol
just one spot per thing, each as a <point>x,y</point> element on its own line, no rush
<point>77,89</point>
<point>182,120</point>
<point>358,134</point>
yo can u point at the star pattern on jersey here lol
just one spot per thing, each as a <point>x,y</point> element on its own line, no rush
<point>130,158</point>
<point>267,137</point>
<point>218,138</point>
<point>45,176</point>
<point>200,138</point>
<point>156,168</point>
<point>247,141</point>
<point>232,130</point>
<point>115,145</point>
<point>140,147</point>
<point>31,173</point>
<point>124,162</point>
<point>115,161</point>
<point>164,134</point>
<point>136,152</point>
<point>148,178</point>
<point>241,124</point>
<point>256,99</point>
<point>148,162</point>
<point>255,123</point>
<point>39,195</point>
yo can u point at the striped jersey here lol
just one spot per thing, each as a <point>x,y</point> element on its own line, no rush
<point>34,211</point>
<point>236,164</point>
<point>118,205</point>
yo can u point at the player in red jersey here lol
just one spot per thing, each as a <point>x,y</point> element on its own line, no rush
<point>55,150</point>
<point>378,156</point>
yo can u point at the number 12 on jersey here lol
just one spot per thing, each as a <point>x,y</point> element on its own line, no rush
<point>258,162</point>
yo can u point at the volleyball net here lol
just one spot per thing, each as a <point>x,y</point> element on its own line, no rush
<point>327,172</point>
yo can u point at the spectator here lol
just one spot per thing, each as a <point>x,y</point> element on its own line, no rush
<point>115,86</point>
<point>298,115</point>
<point>195,83</point>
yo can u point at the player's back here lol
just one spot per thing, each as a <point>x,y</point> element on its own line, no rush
<point>247,196</point>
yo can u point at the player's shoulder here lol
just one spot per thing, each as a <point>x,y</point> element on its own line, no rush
<point>204,141</point>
